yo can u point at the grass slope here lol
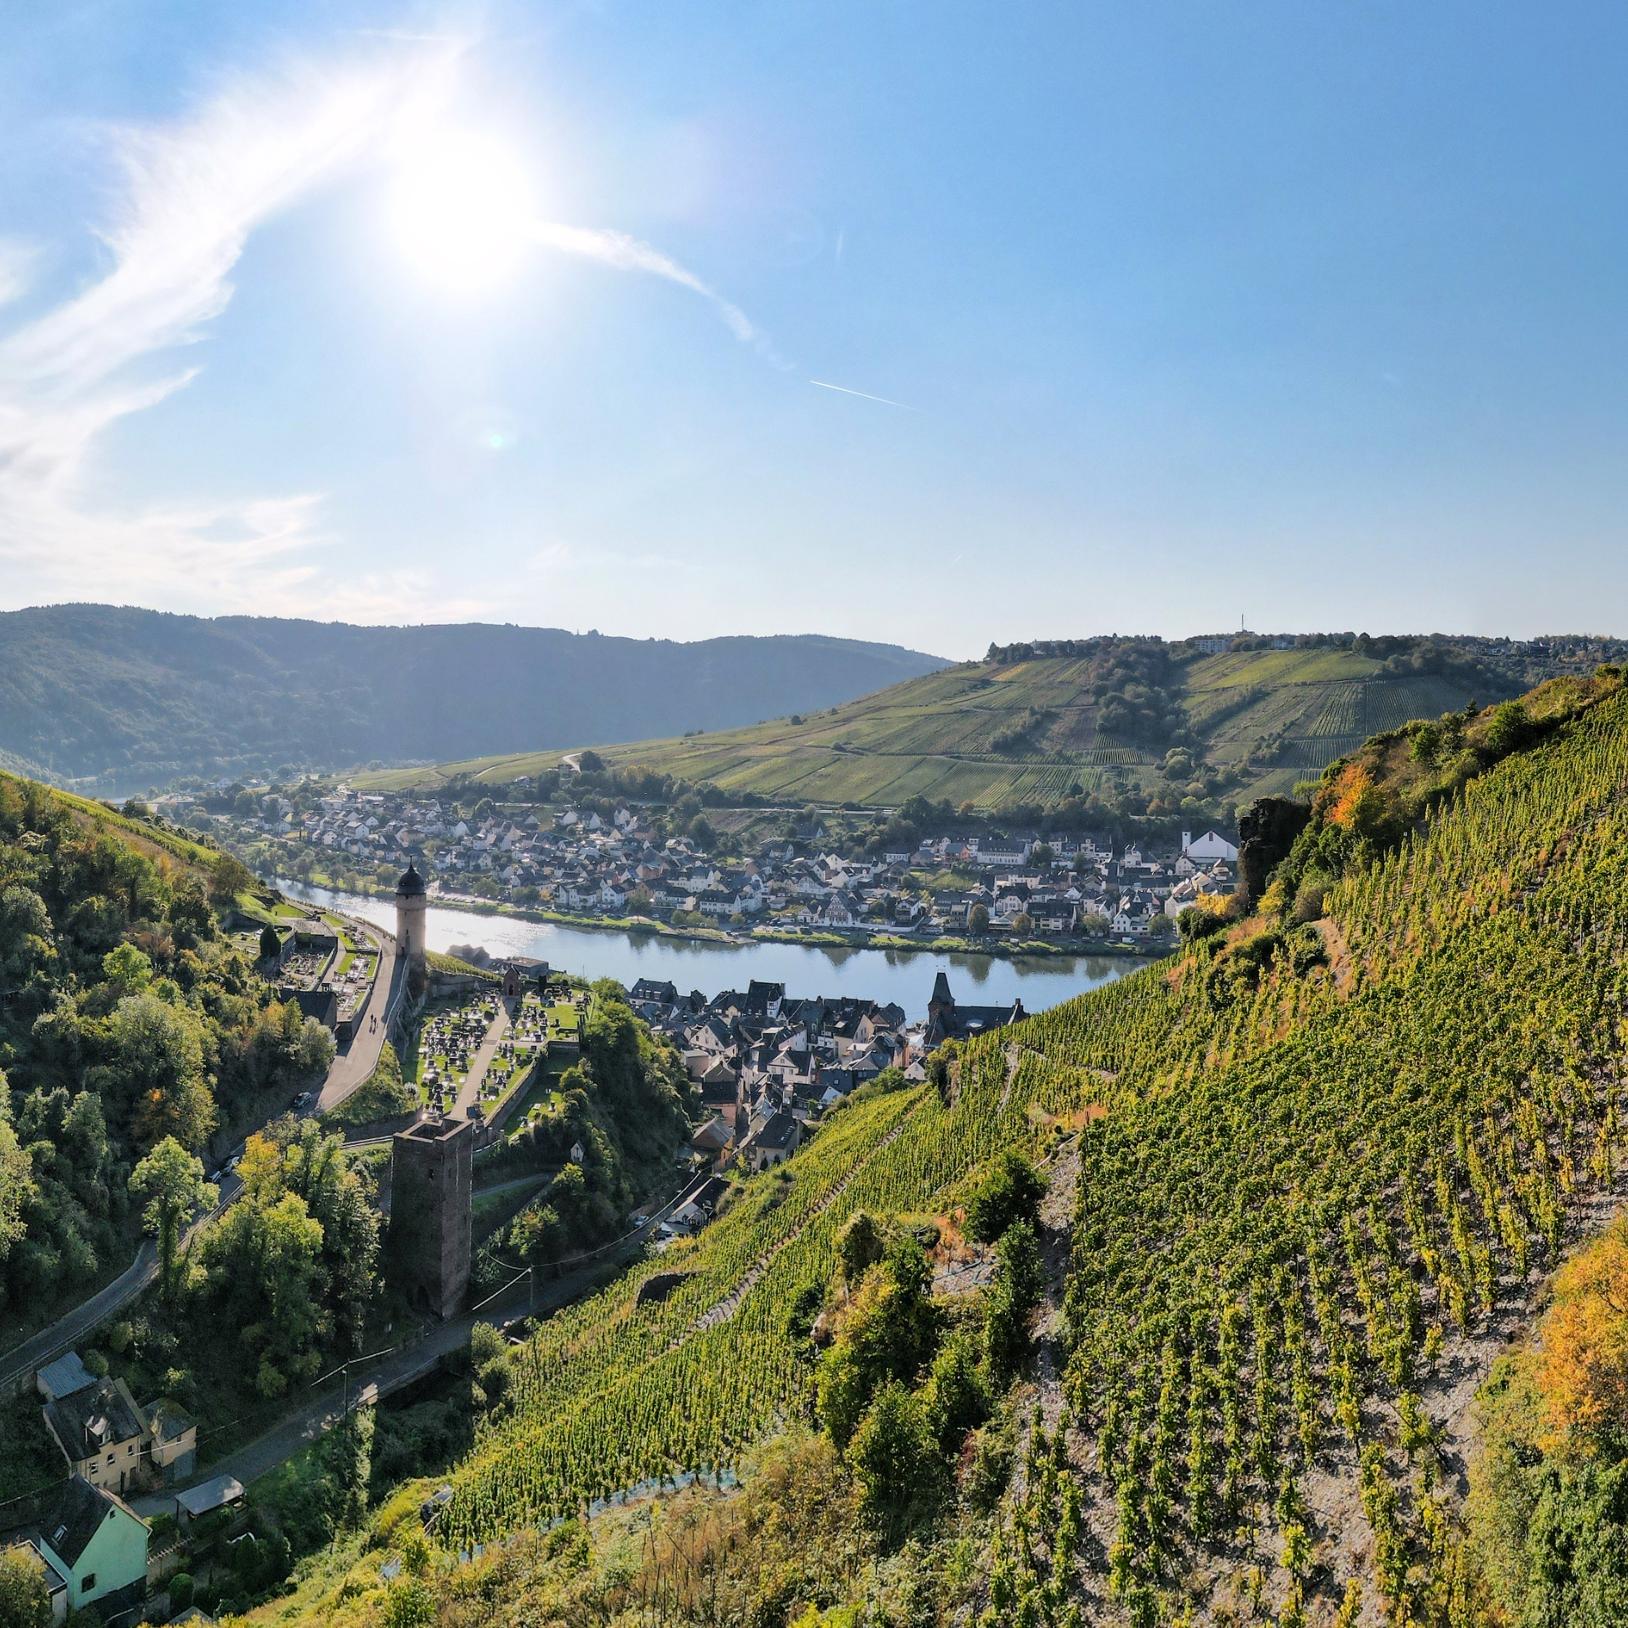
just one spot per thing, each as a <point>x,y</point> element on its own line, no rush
<point>935,736</point>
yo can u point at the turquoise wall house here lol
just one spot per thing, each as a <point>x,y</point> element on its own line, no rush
<point>98,1543</point>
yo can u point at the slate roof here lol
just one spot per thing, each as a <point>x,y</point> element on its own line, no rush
<point>65,1376</point>
<point>92,1419</point>
<point>69,1516</point>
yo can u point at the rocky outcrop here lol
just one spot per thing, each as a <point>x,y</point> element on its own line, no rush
<point>1266,833</point>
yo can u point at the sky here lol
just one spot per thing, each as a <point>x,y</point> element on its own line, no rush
<point>927,321</point>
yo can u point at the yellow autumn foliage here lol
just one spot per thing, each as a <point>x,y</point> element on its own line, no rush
<point>1582,1365</point>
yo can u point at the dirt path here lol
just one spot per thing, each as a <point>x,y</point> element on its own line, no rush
<point>730,1304</point>
<point>469,1091</point>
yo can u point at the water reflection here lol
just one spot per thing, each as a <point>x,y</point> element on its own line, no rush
<point>904,976</point>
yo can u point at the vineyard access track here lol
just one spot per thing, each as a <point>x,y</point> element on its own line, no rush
<point>730,1304</point>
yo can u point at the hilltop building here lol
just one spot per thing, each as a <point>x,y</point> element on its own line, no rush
<point>431,1166</point>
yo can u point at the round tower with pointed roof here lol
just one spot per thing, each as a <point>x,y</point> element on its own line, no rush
<point>412,911</point>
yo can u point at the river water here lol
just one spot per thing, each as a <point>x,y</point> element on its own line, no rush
<point>903,976</point>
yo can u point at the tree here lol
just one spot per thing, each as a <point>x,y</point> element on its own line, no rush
<point>228,877</point>
<point>1008,1191</point>
<point>1582,1374</point>
<point>1019,1277</point>
<point>25,1601</point>
<point>263,1273</point>
<point>270,943</point>
<point>25,935</point>
<point>1040,856</point>
<point>956,1398</point>
<point>16,1177</point>
<point>158,1064</point>
<point>172,1182</point>
<point>1576,1554</point>
<point>860,1245</point>
<point>978,920</point>
<point>896,1462</point>
<point>888,1332</point>
<point>127,969</point>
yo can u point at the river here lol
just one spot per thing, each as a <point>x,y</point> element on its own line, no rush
<point>902,976</point>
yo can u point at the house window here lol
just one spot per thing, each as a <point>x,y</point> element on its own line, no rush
<point>87,1583</point>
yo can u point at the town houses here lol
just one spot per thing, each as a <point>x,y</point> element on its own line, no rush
<point>767,1064</point>
<point>1011,885</point>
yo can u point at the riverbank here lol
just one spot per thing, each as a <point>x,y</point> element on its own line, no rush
<point>887,973</point>
<point>988,945</point>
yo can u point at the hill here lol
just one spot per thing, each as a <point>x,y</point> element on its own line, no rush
<point>121,699</point>
<point>127,1016</point>
<point>1305,1180</point>
<point>1166,725</point>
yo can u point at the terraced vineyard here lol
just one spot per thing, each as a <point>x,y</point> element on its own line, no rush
<point>938,736</point>
<point>1320,1170</point>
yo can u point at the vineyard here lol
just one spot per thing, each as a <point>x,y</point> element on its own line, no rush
<point>1316,1177</point>
<point>935,736</point>
<point>1309,1193</point>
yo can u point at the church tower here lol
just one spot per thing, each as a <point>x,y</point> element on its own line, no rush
<point>412,909</point>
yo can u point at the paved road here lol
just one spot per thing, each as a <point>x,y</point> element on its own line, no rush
<point>372,1381</point>
<point>520,1299</point>
<point>350,1068</point>
<point>69,1329</point>
<point>360,1055</point>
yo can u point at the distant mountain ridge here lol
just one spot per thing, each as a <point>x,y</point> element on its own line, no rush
<point>123,697</point>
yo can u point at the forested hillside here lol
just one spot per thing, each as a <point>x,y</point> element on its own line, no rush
<point>1306,1178</point>
<point>129,698</point>
<point>1097,727</point>
<point>128,1022</point>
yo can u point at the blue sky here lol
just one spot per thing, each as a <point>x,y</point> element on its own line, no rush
<point>1314,315</point>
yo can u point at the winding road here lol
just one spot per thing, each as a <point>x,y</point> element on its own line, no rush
<point>353,1065</point>
<point>350,1068</point>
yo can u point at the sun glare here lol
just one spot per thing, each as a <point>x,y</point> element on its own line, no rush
<point>462,210</point>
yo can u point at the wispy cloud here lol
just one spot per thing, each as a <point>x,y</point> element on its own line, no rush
<point>190,194</point>
<point>864,395</point>
<point>18,258</point>
<point>624,253</point>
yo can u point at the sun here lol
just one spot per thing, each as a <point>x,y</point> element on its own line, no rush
<point>461,210</point>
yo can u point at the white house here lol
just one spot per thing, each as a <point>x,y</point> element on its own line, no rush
<point>1208,848</point>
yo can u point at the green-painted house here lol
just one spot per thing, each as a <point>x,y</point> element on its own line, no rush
<point>94,1546</point>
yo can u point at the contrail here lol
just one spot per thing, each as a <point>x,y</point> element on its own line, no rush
<point>865,395</point>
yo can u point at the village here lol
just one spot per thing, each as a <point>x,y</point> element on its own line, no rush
<point>768,1065</point>
<point>1018,887</point>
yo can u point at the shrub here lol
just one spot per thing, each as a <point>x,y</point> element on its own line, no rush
<point>1010,1191</point>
